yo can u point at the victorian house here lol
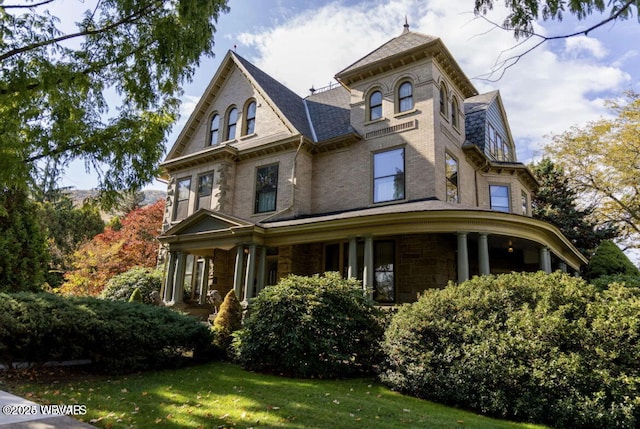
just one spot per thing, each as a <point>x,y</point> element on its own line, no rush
<point>401,175</point>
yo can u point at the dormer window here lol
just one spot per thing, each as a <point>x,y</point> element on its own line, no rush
<point>405,97</point>
<point>250,118</point>
<point>215,128</point>
<point>375,105</point>
<point>455,118</point>
<point>444,103</point>
<point>232,121</point>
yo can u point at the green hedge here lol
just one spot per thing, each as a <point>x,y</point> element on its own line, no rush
<point>320,326</point>
<point>116,336</point>
<point>122,286</point>
<point>532,347</point>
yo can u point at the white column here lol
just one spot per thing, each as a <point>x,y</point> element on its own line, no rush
<point>545,260</point>
<point>483,254</point>
<point>178,287</point>
<point>169,281</point>
<point>250,273</point>
<point>204,281</point>
<point>463,258</point>
<point>563,267</point>
<point>353,258</point>
<point>262,269</point>
<point>367,276</point>
<point>237,272</point>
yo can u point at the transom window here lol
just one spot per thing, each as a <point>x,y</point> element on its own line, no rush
<point>405,97</point>
<point>250,121</point>
<point>375,105</point>
<point>451,172</point>
<point>215,128</point>
<point>499,198</point>
<point>183,188</point>
<point>232,121</point>
<point>388,175</point>
<point>266,188</point>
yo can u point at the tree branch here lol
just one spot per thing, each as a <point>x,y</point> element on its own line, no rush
<point>24,6</point>
<point>513,60</point>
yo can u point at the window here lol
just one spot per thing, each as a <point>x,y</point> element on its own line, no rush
<point>375,106</point>
<point>383,271</point>
<point>499,198</point>
<point>451,173</point>
<point>205,187</point>
<point>215,127</point>
<point>388,175</point>
<point>525,203</point>
<point>182,198</point>
<point>405,97</point>
<point>266,188</point>
<point>443,99</point>
<point>232,120</point>
<point>455,119</point>
<point>250,121</point>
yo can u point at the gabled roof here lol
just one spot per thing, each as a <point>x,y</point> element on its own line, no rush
<point>330,113</point>
<point>410,46</point>
<point>205,220</point>
<point>475,110</point>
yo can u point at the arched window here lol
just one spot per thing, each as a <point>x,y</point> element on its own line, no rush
<point>250,118</point>
<point>215,128</point>
<point>405,97</point>
<point>375,105</point>
<point>443,99</point>
<point>455,116</point>
<point>232,120</point>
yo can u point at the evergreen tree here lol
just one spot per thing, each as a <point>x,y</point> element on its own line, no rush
<point>609,260</point>
<point>23,250</point>
<point>555,203</point>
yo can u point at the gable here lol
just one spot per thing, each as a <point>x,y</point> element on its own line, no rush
<point>205,221</point>
<point>482,111</point>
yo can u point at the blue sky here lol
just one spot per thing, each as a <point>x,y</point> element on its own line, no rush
<point>303,43</point>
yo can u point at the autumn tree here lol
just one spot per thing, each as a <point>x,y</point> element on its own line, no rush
<point>115,251</point>
<point>555,202</point>
<point>602,160</point>
<point>54,85</point>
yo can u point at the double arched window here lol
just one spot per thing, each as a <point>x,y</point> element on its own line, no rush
<point>214,129</point>
<point>444,99</point>
<point>232,121</point>
<point>455,112</point>
<point>250,118</point>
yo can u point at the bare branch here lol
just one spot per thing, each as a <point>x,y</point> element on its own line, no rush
<point>25,6</point>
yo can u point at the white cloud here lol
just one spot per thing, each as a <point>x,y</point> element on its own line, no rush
<point>545,92</point>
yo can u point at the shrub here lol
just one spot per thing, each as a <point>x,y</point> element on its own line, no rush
<point>536,347</point>
<point>116,336</point>
<point>630,281</point>
<point>320,326</point>
<point>228,320</point>
<point>136,296</point>
<point>609,260</point>
<point>121,287</point>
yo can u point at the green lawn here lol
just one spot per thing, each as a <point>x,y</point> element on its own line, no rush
<point>223,395</point>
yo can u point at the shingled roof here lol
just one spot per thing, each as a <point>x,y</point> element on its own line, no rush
<point>290,104</point>
<point>330,113</point>
<point>475,111</point>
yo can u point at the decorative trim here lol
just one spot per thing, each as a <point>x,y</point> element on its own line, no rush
<point>410,125</point>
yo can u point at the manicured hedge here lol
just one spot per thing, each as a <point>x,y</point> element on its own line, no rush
<point>117,336</point>
<point>122,286</point>
<point>320,326</point>
<point>533,347</point>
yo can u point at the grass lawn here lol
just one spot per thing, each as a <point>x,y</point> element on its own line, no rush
<point>220,395</point>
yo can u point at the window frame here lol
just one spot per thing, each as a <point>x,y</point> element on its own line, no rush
<point>444,99</point>
<point>214,141</point>
<point>199,195</point>
<point>381,179</point>
<point>380,269</point>
<point>231,126</point>
<point>178,200</point>
<point>258,191</point>
<point>377,106</point>
<point>249,122</point>
<point>401,98</point>
<point>455,112</point>
<point>449,183</point>
<point>500,208</point>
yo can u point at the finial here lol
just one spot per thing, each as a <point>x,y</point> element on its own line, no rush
<point>312,90</point>
<point>406,25</point>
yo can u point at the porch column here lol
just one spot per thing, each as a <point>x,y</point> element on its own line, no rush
<point>353,258</point>
<point>463,258</point>
<point>237,272</point>
<point>545,260</point>
<point>250,274</point>
<point>262,269</point>
<point>178,287</point>
<point>563,267</point>
<point>367,275</point>
<point>483,254</point>
<point>167,293</point>
<point>204,281</point>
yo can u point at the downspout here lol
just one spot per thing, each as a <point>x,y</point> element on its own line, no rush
<point>293,184</point>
